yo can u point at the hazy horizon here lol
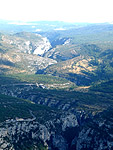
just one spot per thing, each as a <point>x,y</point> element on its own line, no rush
<point>88,11</point>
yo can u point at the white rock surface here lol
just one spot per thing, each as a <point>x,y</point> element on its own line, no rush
<point>42,47</point>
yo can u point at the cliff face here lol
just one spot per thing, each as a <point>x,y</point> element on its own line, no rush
<point>14,134</point>
<point>68,132</point>
<point>72,129</point>
<point>22,53</point>
<point>97,134</point>
<point>42,47</point>
<point>28,43</point>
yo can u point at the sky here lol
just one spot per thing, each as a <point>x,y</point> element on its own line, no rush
<point>92,11</point>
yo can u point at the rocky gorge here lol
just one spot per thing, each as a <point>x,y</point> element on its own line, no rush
<point>56,91</point>
<point>68,132</point>
<point>69,128</point>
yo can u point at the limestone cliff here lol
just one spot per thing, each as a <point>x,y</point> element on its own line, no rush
<point>28,42</point>
<point>63,133</point>
<point>18,53</point>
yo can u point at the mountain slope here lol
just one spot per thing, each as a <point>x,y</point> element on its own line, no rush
<point>16,53</point>
<point>83,64</point>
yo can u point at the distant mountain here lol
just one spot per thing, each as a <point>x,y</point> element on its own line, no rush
<point>41,26</point>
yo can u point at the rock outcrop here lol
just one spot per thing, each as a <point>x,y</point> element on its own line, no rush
<point>63,133</point>
<point>42,47</point>
<point>28,43</point>
<point>14,133</point>
<point>22,53</point>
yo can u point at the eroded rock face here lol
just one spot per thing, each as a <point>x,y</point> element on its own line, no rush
<point>63,133</point>
<point>71,130</point>
<point>96,137</point>
<point>23,52</point>
<point>42,47</point>
<point>69,121</point>
<point>28,43</point>
<point>14,133</point>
